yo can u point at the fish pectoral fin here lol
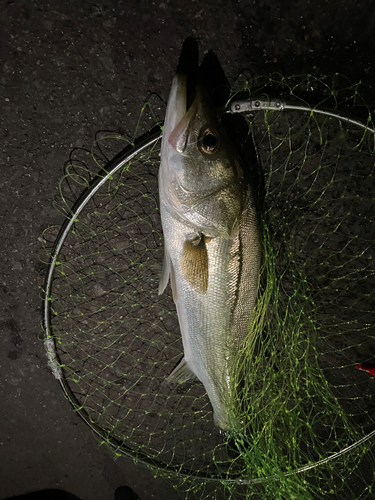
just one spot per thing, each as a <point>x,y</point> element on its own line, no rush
<point>181,373</point>
<point>194,263</point>
<point>165,272</point>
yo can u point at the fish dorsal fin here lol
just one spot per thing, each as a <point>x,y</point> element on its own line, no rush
<point>194,263</point>
<point>181,373</point>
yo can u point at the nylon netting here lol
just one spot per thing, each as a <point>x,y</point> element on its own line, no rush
<point>307,414</point>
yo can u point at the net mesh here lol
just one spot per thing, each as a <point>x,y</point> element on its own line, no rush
<point>307,414</point>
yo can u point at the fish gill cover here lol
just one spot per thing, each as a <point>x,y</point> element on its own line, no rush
<point>308,416</point>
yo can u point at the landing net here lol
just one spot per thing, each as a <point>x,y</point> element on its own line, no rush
<point>308,414</point>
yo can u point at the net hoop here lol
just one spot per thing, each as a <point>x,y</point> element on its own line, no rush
<point>244,106</point>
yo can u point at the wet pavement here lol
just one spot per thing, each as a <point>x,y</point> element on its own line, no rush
<point>70,69</point>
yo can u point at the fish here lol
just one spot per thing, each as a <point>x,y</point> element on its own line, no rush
<point>212,249</point>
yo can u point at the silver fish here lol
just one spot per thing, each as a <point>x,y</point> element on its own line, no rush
<point>211,241</point>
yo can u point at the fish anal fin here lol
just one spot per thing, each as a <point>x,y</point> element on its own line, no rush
<point>181,373</point>
<point>194,263</point>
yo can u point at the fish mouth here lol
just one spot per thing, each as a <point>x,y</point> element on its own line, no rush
<point>186,98</point>
<point>184,103</point>
<point>177,104</point>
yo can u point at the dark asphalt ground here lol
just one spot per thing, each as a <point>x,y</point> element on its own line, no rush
<point>70,69</point>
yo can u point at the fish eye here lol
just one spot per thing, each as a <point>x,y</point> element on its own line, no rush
<point>209,141</point>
